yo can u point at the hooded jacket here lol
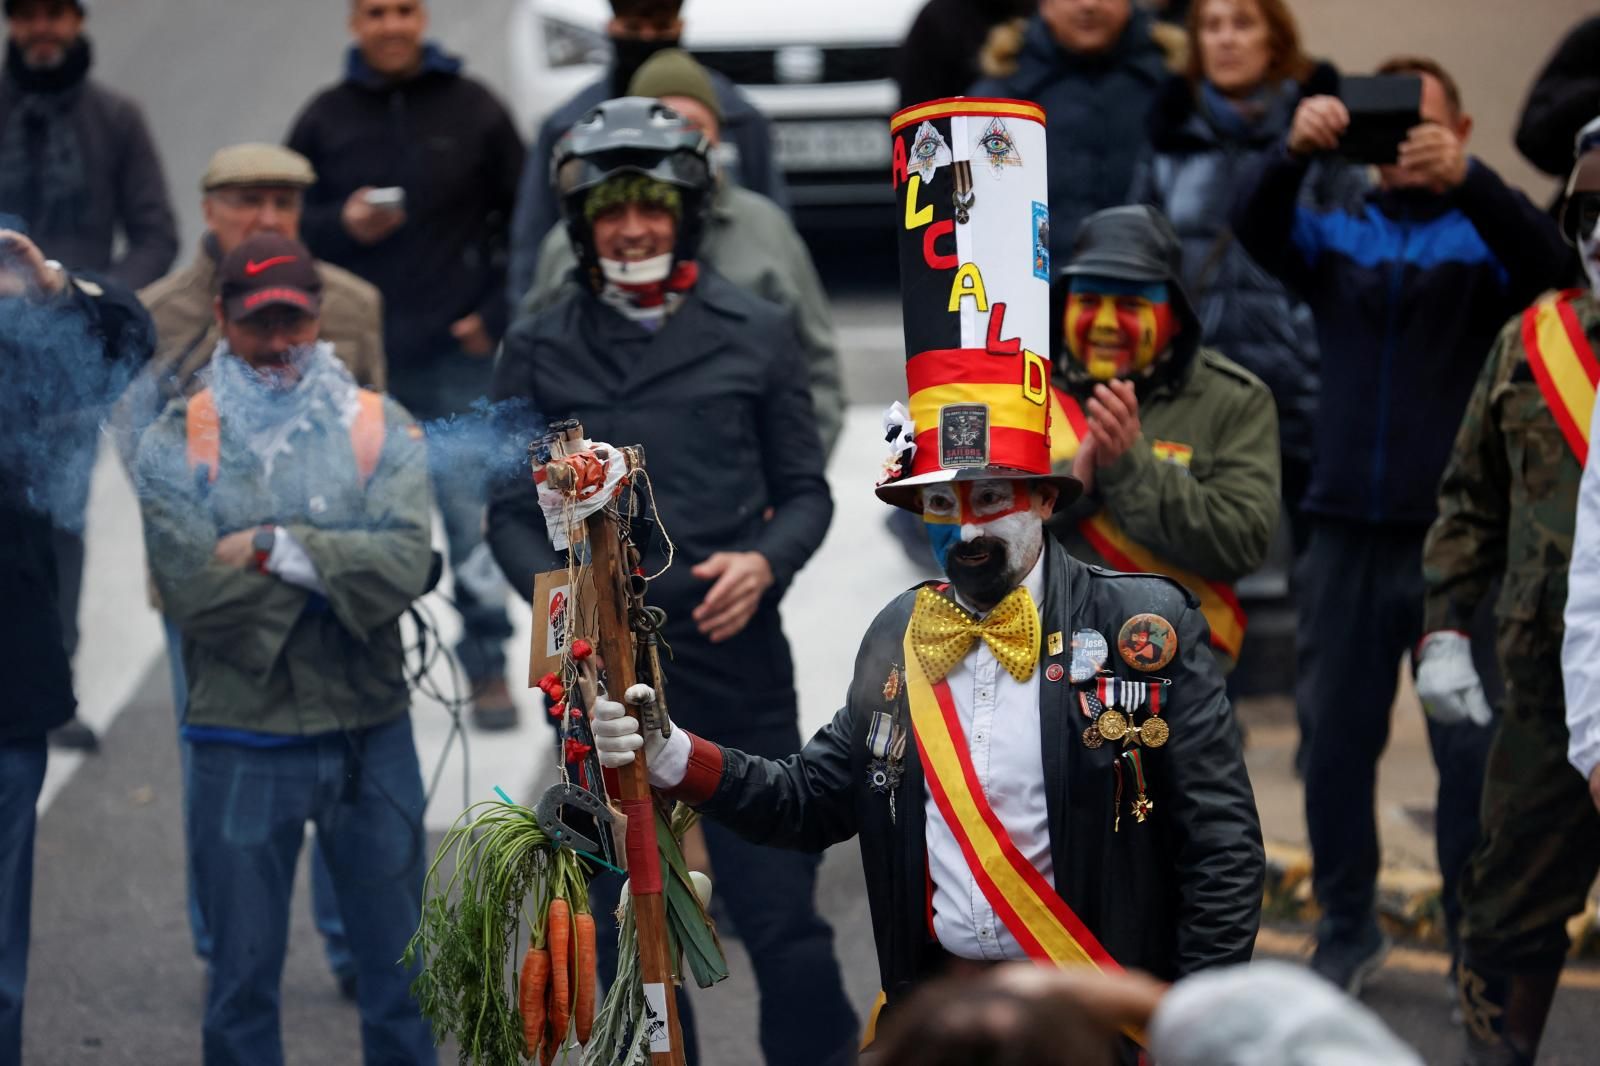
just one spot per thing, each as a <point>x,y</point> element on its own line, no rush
<point>1095,111</point>
<point>1171,896</point>
<point>1195,163</point>
<point>1409,290</point>
<point>1196,495</point>
<point>450,144</point>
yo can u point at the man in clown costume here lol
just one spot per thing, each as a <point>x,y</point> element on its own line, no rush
<point>1025,780</point>
<point>1176,446</point>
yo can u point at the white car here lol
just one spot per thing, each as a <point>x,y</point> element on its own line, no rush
<point>820,70</point>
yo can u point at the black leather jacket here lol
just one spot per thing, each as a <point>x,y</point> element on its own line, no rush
<point>1176,894</point>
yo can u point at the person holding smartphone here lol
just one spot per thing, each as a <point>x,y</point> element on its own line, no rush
<point>1408,292</point>
<point>417,167</point>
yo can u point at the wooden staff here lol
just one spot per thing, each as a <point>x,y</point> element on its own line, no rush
<point>634,798</point>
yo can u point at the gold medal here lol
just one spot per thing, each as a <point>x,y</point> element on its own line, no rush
<point>1092,737</point>
<point>1142,808</point>
<point>1153,733</point>
<point>1112,724</point>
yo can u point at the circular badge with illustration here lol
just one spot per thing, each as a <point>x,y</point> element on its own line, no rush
<point>1147,642</point>
<point>1089,654</point>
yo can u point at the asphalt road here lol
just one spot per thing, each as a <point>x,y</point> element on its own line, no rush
<point>113,981</point>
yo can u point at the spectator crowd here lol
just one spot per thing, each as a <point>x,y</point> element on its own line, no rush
<point>1253,321</point>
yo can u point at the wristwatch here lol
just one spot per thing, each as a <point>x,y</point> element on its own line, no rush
<point>265,537</point>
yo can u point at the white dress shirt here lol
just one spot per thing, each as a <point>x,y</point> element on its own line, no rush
<point>1000,716</point>
<point>1580,649</point>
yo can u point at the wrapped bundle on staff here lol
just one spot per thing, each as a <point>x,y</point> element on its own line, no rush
<point>593,635</point>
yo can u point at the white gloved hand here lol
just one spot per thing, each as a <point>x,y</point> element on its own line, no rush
<point>617,736</point>
<point>1448,683</point>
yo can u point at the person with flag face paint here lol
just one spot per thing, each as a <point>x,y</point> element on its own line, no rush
<point>1177,446</point>
<point>1508,512</point>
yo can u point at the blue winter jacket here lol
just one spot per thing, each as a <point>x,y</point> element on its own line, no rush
<point>1190,174</point>
<point>1095,109</point>
<point>1408,292</point>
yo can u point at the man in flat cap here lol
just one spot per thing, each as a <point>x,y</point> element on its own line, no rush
<point>248,189</point>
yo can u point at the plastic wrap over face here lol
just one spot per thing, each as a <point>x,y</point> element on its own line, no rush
<point>972,202</point>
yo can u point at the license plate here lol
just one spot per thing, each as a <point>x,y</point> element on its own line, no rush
<point>857,145</point>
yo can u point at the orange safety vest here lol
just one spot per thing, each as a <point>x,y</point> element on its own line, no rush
<point>203,433</point>
<point>1218,602</point>
<point>1564,365</point>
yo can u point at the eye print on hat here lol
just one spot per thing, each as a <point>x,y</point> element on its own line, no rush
<point>997,147</point>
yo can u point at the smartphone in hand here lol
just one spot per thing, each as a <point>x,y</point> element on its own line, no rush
<point>1383,109</point>
<point>389,198</point>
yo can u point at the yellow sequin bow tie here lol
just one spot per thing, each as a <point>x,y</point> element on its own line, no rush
<point>942,633</point>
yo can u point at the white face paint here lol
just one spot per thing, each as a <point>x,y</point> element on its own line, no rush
<point>961,512</point>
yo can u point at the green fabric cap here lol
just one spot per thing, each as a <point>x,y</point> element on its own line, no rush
<point>632,189</point>
<point>674,72</point>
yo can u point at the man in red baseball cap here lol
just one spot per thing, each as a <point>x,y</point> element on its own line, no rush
<point>287,517</point>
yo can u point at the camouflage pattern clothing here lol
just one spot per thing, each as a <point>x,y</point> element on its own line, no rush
<point>1507,509</point>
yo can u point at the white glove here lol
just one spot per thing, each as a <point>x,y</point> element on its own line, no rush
<point>1447,681</point>
<point>617,736</point>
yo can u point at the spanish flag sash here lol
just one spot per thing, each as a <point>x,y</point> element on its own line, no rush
<point>1218,603</point>
<point>1564,365</point>
<point>1030,907</point>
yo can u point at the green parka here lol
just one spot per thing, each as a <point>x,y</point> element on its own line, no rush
<point>264,655</point>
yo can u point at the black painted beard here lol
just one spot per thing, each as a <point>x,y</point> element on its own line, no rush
<point>980,570</point>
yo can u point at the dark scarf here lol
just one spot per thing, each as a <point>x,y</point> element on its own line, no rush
<point>42,172</point>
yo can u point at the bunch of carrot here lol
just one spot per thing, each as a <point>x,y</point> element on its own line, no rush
<point>556,987</point>
<point>502,868</point>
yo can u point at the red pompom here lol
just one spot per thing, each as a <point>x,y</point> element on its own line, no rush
<point>556,691</point>
<point>546,682</point>
<point>582,649</point>
<point>577,750</point>
<point>557,710</point>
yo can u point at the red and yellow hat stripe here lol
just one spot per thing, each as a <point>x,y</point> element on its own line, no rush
<point>982,106</point>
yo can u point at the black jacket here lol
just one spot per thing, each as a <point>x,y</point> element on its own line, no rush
<point>1564,97</point>
<point>1408,292</point>
<point>939,56</point>
<point>82,351</point>
<point>718,398</point>
<point>1095,111</point>
<point>1176,894</point>
<point>127,190</point>
<point>449,143</point>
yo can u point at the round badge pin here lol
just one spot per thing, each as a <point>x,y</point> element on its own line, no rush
<point>1054,672</point>
<point>1147,642</point>
<point>1089,653</point>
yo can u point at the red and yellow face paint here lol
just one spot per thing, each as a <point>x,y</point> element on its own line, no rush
<point>1116,329</point>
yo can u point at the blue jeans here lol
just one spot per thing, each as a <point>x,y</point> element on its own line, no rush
<point>22,765</point>
<point>248,813</point>
<point>448,397</point>
<point>324,905</point>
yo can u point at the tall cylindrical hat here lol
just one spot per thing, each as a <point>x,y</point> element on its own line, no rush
<point>972,209</point>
